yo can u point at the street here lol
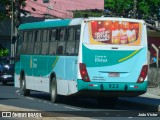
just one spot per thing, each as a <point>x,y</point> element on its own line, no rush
<point>83,107</point>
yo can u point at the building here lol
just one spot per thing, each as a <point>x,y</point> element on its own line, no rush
<point>38,10</point>
<point>5,30</point>
<point>61,8</point>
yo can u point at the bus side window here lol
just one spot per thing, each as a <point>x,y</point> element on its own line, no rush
<point>24,43</point>
<point>62,34</point>
<point>77,38</point>
<point>30,42</point>
<point>45,42</point>
<point>53,41</point>
<point>70,47</point>
<point>61,42</point>
<point>37,47</point>
<point>61,48</point>
<point>19,42</point>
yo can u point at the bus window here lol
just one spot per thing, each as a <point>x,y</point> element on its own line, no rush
<point>30,43</point>
<point>24,43</point>
<point>37,48</point>
<point>53,34</point>
<point>25,36</point>
<point>45,46</point>
<point>52,47</point>
<point>62,34</point>
<point>45,42</point>
<point>61,47</point>
<point>77,33</point>
<point>38,45</point>
<point>45,35</point>
<point>70,47</point>
<point>77,38</point>
<point>77,47</point>
<point>19,42</point>
<point>114,32</point>
<point>38,36</point>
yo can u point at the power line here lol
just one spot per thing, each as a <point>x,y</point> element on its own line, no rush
<point>40,11</point>
<point>86,3</point>
<point>50,9</point>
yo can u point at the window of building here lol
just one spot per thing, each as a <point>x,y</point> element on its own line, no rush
<point>46,1</point>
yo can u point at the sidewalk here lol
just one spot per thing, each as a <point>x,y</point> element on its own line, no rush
<point>154,91</point>
<point>150,100</point>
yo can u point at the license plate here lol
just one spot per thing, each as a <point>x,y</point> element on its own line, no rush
<point>113,74</point>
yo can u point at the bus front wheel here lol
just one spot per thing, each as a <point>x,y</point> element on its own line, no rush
<point>53,90</point>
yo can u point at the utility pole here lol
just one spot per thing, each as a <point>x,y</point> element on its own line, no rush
<point>135,8</point>
<point>18,17</point>
<point>12,27</point>
<point>15,22</point>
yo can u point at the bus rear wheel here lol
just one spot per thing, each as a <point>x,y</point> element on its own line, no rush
<point>53,90</point>
<point>24,91</point>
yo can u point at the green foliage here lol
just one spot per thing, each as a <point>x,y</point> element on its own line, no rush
<point>6,13</point>
<point>4,52</point>
<point>118,6</point>
<point>8,5</point>
<point>145,9</point>
<point>78,14</point>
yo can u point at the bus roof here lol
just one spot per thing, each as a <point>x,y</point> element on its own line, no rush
<point>50,23</point>
<point>68,22</point>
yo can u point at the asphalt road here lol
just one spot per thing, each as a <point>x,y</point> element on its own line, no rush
<point>83,106</point>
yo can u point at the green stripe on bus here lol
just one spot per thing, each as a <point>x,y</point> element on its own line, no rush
<point>129,56</point>
<point>55,61</point>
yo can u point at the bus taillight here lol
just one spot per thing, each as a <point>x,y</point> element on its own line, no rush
<point>84,73</point>
<point>143,74</point>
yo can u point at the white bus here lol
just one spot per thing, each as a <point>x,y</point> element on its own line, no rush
<point>101,56</point>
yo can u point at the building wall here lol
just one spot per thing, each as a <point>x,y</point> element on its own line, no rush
<point>61,8</point>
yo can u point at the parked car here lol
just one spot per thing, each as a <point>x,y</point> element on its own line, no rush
<point>6,70</point>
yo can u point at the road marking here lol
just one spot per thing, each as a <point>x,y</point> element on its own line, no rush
<point>17,91</point>
<point>71,108</point>
<point>130,117</point>
<point>30,98</point>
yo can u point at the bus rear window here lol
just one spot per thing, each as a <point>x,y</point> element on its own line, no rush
<point>114,32</point>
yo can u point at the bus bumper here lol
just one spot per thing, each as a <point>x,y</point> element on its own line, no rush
<point>111,89</point>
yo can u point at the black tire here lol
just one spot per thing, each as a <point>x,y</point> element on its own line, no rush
<point>24,91</point>
<point>53,90</point>
<point>4,83</point>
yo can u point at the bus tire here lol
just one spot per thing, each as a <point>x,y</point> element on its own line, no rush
<point>4,83</point>
<point>24,91</point>
<point>53,90</point>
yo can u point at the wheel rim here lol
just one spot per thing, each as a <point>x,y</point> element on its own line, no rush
<point>53,89</point>
<point>22,85</point>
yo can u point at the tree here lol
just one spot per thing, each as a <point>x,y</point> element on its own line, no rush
<point>7,4</point>
<point>6,11</point>
<point>148,10</point>
<point>3,51</point>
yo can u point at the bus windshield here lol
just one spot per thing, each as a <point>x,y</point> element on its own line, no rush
<point>113,32</point>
